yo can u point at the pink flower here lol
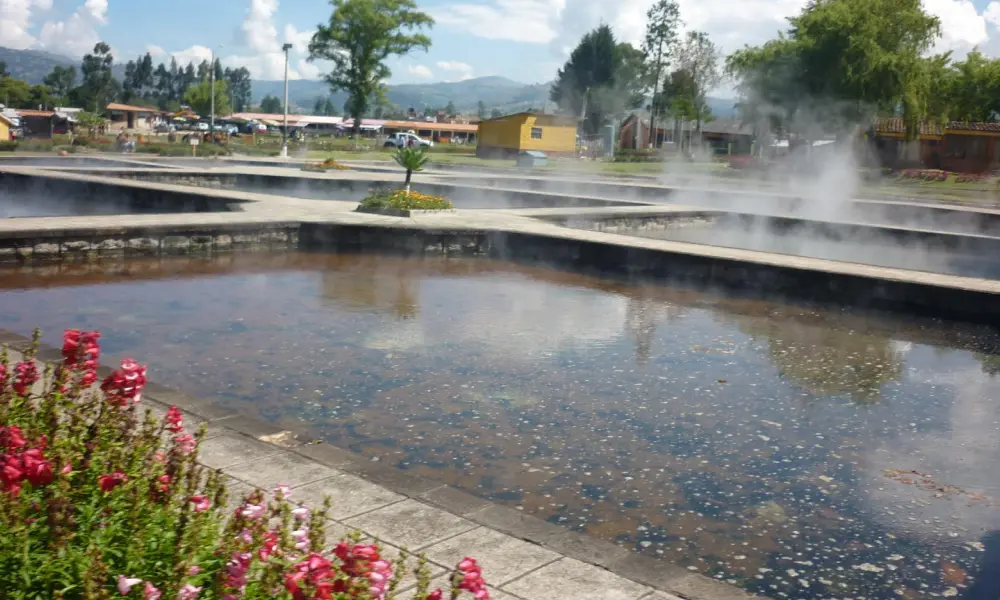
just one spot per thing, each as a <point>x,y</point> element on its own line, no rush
<point>301,513</point>
<point>185,444</point>
<point>66,470</point>
<point>126,584</point>
<point>245,536</point>
<point>110,482</point>
<point>482,594</point>
<point>150,592</point>
<point>175,420</point>
<point>194,570</point>
<point>301,539</point>
<point>468,564</point>
<point>188,592</point>
<point>201,503</point>
<point>269,546</point>
<point>252,511</point>
<point>435,595</point>
<point>3,376</point>
<point>283,489</point>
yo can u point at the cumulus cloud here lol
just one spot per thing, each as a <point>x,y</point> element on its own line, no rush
<point>730,23</point>
<point>420,71</point>
<point>155,51</point>
<point>194,54</point>
<point>458,71</point>
<point>78,34</point>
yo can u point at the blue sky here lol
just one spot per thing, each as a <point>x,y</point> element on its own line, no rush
<point>524,40</point>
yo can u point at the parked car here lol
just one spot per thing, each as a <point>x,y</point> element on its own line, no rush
<point>199,126</point>
<point>401,139</point>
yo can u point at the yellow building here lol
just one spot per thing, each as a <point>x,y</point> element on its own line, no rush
<point>506,136</point>
<point>5,127</point>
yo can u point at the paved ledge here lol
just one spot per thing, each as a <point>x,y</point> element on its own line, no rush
<point>523,557</point>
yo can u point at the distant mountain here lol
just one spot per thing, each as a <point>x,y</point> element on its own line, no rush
<point>32,65</point>
<point>495,92</point>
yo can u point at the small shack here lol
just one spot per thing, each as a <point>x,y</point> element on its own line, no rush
<point>530,159</point>
<point>37,123</point>
<point>509,135</point>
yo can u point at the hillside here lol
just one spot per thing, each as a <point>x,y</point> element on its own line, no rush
<point>32,65</point>
<point>495,92</point>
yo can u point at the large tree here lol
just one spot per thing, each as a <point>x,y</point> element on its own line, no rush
<point>270,105</point>
<point>240,87</point>
<point>199,98</point>
<point>698,58</point>
<point>662,21</point>
<point>359,38</point>
<point>843,62</point>
<point>60,80</point>
<point>601,79</point>
<point>99,86</point>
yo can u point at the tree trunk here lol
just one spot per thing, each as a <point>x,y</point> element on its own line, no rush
<point>652,111</point>
<point>406,184</point>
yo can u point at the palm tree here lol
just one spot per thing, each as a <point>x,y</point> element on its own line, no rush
<point>413,160</point>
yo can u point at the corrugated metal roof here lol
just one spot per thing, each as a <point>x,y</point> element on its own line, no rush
<point>34,113</point>
<point>432,125</point>
<point>130,108</point>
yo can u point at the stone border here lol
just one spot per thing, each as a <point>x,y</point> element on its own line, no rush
<point>524,557</point>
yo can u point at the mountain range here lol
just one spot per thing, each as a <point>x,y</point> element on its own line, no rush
<point>495,92</point>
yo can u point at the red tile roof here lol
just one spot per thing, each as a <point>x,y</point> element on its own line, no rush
<point>130,108</point>
<point>34,113</point>
<point>895,125</point>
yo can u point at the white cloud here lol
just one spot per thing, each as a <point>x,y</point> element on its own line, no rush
<point>194,54</point>
<point>460,70</point>
<point>78,34</point>
<point>420,71</point>
<point>15,22</point>
<point>730,23</point>
<point>155,51</point>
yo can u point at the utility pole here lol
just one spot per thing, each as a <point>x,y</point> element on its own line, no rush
<point>284,128</point>
<point>211,91</point>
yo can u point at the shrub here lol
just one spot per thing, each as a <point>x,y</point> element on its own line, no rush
<point>98,501</point>
<point>8,145</point>
<point>401,200</point>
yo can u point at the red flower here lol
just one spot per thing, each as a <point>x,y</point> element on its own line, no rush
<point>3,376</point>
<point>435,595</point>
<point>25,376</point>
<point>110,482</point>
<point>124,387</point>
<point>185,444</point>
<point>11,438</point>
<point>470,579</point>
<point>270,544</point>
<point>163,483</point>
<point>36,469</point>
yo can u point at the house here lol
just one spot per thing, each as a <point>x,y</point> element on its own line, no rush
<point>959,147</point>
<point>138,118</point>
<point>506,136</point>
<point>6,125</point>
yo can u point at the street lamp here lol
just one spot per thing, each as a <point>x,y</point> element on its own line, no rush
<point>211,91</point>
<point>284,129</point>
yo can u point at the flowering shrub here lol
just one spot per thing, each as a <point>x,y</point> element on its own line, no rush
<point>327,165</point>
<point>403,200</point>
<point>924,175</point>
<point>99,501</point>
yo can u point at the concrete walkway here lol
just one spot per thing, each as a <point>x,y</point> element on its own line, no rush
<point>523,558</point>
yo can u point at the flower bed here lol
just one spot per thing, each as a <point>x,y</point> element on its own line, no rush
<point>322,167</point>
<point>924,175</point>
<point>402,202</point>
<point>98,500</point>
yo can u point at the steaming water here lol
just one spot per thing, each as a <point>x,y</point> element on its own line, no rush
<point>818,240</point>
<point>745,440</point>
<point>97,163</point>
<point>41,204</point>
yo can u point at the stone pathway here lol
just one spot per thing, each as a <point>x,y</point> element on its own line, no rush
<point>523,558</point>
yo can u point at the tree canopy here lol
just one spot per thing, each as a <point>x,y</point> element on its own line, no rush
<point>199,97</point>
<point>601,79</point>
<point>359,38</point>
<point>841,62</point>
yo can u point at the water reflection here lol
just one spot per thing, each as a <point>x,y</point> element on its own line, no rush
<point>830,362</point>
<point>752,441</point>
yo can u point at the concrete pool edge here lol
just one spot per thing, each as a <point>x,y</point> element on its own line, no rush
<point>540,556</point>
